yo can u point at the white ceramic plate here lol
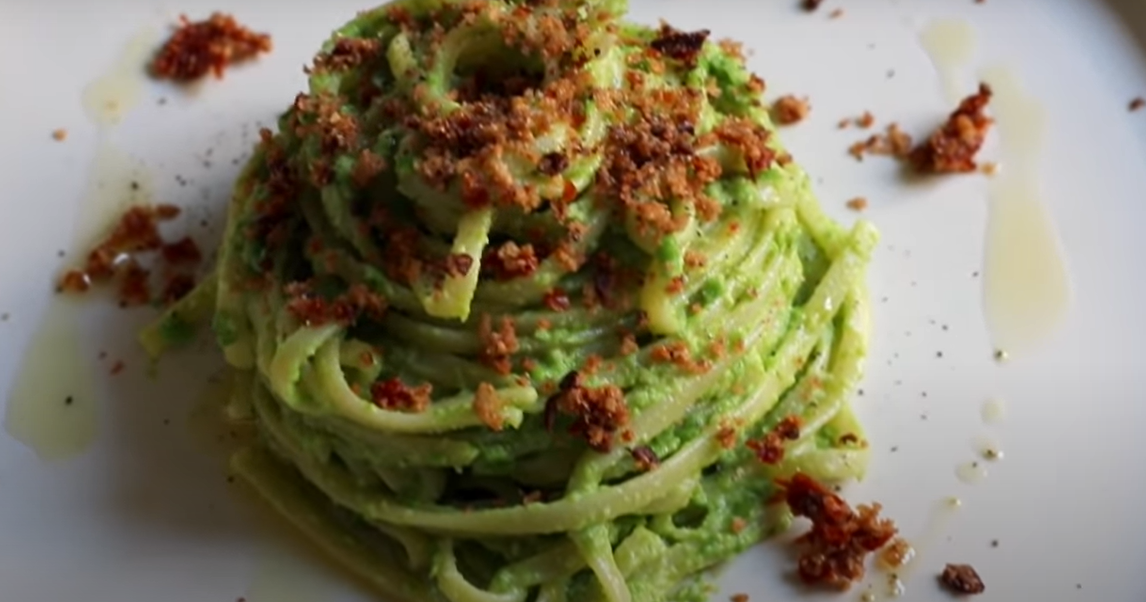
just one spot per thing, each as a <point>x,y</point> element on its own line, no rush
<point>132,505</point>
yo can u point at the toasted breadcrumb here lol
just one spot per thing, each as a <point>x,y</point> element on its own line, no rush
<point>840,538</point>
<point>952,148</point>
<point>962,579</point>
<point>59,135</point>
<point>198,48</point>
<point>788,109</point>
<point>487,406</point>
<point>858,203</point>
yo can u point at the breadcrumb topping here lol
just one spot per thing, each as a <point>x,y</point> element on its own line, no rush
<point>952,148</point>
<point>198,48</point>
<point>487,406</point>
<point>788,109</point>
<point>834,550</point>
<point>598,412</point>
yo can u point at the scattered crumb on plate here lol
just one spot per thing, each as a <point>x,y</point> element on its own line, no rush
<point>1137,103</point>
<point>789,110</point>
<point>60,135</point>
<point>858,203</point>
<point>201,47</point>
<point>952,147</point>
<point>961,579</point>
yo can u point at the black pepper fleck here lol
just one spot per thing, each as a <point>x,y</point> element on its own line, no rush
<point>974,274</point>
<point>939,354</point>
<point>60,253</point>
<point>994,543</point>
<point>134,185</point>
<point>890,73</point>
<point>894,448</point>
<point>68,400</point>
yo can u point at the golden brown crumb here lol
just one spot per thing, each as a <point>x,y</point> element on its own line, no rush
<point>195,49</point>
<point>487,406</point>
<point>894,142</point>
<point>312,309</point>
<point>866,120</point>
<point>678,354</point>
<point>645,458</point>
<point>347,53</point>
<point>739,598</point>
<point>840,538</point>
<point>836,14</point>
<point>770,448</point>
<point>962,579</point>
<point>60,135</point>
<point>598,412</point>
<point>857,204</point>
<point>629,344</point>
<point>393,394</point>
<point>989,168</point>
<point>679,45</point>
<point>510,261</point>
<point>116,257</point>
<point>498,344</point>
<point>843,123</point>
<point>952,148</point>
<point>367,167</point>
<point>1137,103</point>
<point>788,109</point>
<point>726,435</point>
<point>557,300</point>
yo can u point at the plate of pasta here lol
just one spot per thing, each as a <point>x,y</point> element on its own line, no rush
<point>572,301</point>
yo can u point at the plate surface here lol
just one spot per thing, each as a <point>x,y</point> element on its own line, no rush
<point>124,496</point>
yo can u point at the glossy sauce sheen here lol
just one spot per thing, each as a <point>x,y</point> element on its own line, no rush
<point>1026,283</point>
<point>55,366</point>
<point>951,45</point>
<point>108,99</point>
<point>53,371</point>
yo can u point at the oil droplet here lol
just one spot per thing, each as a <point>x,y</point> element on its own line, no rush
<point>895,587</point>
<point>993,411</point>
<point>971,473</point>
<point>51,408</point>
<point>1026,286</point>
<point>942,512</point>
<point>951,45</point>
<point>988,449</point>
<point>108,98</point>
<point>116,181</point>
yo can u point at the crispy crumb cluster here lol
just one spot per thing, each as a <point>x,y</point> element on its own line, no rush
<point>769,449</point>
<point>952,148</point>
<point>598,412</point>
<point>210,46</point>
<point>834,550</point>
<point>119,257</point>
